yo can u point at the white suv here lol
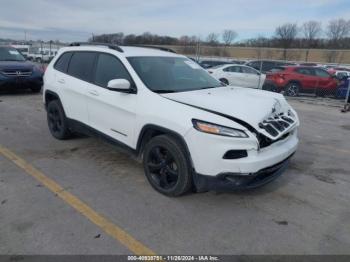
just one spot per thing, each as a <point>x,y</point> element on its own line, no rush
<point>190,130</point>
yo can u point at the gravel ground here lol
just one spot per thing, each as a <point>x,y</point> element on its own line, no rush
<point>305,211</point>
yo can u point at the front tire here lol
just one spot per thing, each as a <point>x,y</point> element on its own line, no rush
<point>292,89</point>
<point>166,166</point>
<point>57,121</point>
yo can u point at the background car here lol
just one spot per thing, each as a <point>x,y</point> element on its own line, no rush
<point>295,79</point>
<point>238,75</point>
<point>16,72</point>
<point>342,74</point>
<point>211,63</point>
<point>266,65</point>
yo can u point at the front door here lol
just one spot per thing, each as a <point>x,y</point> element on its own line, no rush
<point>111,112</point>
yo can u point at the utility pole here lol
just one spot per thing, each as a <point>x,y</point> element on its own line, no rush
<point>42,52</point>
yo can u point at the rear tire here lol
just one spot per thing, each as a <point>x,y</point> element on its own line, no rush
<point>292,89</point>
<point>166,166</point>
<point>57,121</point>
<point>225,81</point>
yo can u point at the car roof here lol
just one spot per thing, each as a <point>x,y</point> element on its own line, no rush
<point>128,51</point>
<point>227,65</point>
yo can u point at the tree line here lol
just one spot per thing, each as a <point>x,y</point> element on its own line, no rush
<point>311,34</point>
<point>147,38</point>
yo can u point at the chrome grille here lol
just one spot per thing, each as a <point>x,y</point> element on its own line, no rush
<point>17,73</point>
<point>277,124</point>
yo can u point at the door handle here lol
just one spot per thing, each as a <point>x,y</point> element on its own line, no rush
<point>61,81</point>
<point>93,92</point>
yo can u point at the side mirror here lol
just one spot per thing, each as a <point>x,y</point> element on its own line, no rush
<point>120,85</point>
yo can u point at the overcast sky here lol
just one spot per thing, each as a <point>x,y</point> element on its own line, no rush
<point>76,20</point>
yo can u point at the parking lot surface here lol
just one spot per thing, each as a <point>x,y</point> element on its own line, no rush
<point>305,211</point>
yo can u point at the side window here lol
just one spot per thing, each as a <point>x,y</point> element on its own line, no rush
<point>81,65</point>
<point>304,71</point>
<point>108,68</point>
<point>321,73</point>
<point>233,69</point>
<point>62,62</point>
<point>248,70</point>
<point>255,64</point>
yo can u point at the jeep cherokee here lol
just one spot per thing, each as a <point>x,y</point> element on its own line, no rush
<point>190,130</point>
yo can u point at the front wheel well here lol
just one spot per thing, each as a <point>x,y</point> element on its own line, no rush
<point>150,131</point>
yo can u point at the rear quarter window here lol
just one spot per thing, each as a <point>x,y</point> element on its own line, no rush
<point>62,62</point>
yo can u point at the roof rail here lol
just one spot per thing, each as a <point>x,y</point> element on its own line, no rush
<point>156,47</point>
<point>110,46</point>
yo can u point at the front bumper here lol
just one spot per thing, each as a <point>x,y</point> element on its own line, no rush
<point>207,153</point>
<point>20,82</point>
<point>234,182</point>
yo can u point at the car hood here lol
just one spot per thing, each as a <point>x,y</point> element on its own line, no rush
<point>16,65</point>
<point>247,105</point>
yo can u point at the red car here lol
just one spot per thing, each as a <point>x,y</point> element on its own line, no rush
<point>295,79</point>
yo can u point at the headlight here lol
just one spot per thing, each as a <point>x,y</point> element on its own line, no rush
<point>214,129</point>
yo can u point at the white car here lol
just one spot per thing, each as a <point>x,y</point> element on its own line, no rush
<point>238,75</point>
<point>190,130</point>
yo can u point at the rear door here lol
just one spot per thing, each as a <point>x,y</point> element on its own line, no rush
<point>74,85</point>
<point>111,112</point>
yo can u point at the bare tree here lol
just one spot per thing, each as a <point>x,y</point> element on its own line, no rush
<point>311,31</point>
<point>286,34</point>
<point>228,36</point>
<point>337,30</point>
<point>213,39</point>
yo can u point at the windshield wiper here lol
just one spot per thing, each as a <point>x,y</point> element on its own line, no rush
<point>209,87</point>
<point>163,91</point>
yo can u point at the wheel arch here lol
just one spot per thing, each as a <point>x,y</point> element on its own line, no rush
<point>296,82</point>
<point>224,80</point>
<point>150,130</point>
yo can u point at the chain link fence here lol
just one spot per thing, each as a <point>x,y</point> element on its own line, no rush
<point>310,84</point>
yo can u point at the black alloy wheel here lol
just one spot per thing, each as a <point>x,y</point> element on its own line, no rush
<point>57,121</point>
<point>292,89</point>
<point>166,166</point>
<point>162,167</point>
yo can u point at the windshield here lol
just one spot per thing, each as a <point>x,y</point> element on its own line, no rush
<point>10,54</point>
<point>172,74</point>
